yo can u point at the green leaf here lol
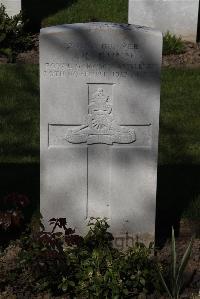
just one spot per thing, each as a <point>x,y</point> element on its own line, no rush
<point>164,284</point>
<point>142,281</point>
<point>183,265</point>
<point>125,291</point>
<point>173,264</point>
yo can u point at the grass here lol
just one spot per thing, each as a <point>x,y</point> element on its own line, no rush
<point>19,109</point>
<point>53,12</point>
<point>179,119</point>
<point>90,10</point>
<point>172,44</point>
<point>179,146</point>
<point>193,210</point>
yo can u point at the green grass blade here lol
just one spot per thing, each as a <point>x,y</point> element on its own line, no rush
<point>173,265</point>
<point>183,264</point>
<point>164,283</point>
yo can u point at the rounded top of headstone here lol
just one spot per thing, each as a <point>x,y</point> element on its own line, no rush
<point>95,26</point>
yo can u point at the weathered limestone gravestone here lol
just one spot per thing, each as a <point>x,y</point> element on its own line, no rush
<point>180,17</point>
<point>100,94</point>
<point>13,7</point>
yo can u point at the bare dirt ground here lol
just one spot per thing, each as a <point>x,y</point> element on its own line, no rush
<point>189,59</point>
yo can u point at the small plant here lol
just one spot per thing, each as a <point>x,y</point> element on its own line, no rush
<point>104,272</point>
<point>176,275</point>
<point>98,235</point>
<point>13,38</point>
<point>172,44</point>
<point>62,262</point>
<point>43,253</point>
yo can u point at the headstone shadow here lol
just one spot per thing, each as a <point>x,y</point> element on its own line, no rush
<point>36,10</point>
<point>22,179</point>
<point>177,186</point>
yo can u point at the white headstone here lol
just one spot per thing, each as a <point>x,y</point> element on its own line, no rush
<point>13,7</point>
<point>100,98</point>
<point>179,17</point>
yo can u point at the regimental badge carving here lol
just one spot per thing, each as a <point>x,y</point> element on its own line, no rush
<point>100,127</point>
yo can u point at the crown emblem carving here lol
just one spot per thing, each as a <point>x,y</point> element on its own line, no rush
<point>101,127</point>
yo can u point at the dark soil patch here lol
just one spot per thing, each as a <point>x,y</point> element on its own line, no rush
<point>32,56</point>
<point>190,58</point>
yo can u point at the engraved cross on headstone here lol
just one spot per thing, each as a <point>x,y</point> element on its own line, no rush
<point>100,134</point>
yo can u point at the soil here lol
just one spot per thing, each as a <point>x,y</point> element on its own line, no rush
<point>30,57</point>
<point>189,59</point>
<point>192,273</point>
